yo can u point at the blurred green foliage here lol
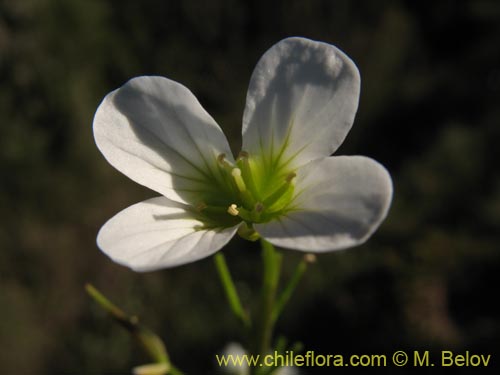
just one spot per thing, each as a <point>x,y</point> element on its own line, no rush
<point>429,111</point>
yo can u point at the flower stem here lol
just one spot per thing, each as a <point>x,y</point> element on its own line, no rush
<point>150,342</point>
<point>285,295</point>
<point>265,322</point>
<point>230,289</point>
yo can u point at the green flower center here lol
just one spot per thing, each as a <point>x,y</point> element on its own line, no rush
<point>253,190</point>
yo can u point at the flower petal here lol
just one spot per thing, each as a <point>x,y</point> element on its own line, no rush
<point>154,131</point>
<point>340,202</point>
<point>158,233</point>
<point>301,102</point>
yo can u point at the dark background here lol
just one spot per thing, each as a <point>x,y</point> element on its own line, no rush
<point>429,112</point>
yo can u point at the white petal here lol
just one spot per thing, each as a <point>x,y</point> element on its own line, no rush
<point>341,201</point>
<point>302,100</point>
<point>158,233</point>
<point>154,131</point>
<point>235,349</point>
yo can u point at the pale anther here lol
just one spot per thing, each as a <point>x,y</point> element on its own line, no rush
<point>221,157</point>
<point>233,210</point>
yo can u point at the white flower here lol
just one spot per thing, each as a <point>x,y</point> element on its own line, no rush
<point>284,186</point>
<point>235,353</point>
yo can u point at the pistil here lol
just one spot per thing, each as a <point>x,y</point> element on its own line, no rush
<point>248,203</point>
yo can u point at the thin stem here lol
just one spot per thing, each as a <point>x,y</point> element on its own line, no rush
<point>151,343</point>
<point>230,289</point>
<point>265,323</point>
<point>107,305</point>
<point>289,289</point>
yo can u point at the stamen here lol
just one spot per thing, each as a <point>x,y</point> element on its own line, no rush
<point>221,159</point>
<point>236,173</point>
<point>242,155</point>
<point>282,190</point>
<point>205,209</point>
<point>290,178</point>
<point>233,210</point>
<point>244,164</point>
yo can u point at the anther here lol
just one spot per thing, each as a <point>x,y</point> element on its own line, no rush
<point>242,155</point>
<point>233,210</point>
<point>284,189</point>
<point>221,159</point>
<point>290,177</point>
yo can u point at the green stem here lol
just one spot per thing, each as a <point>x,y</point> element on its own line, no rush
<point>230,289</point>
<point>150,342</point>
<point>113,310</point>
<point>289,289</point>
<point>265,322</point>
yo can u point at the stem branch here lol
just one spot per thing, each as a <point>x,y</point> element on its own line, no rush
<point>289,289</point>
<point>230,289</point>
